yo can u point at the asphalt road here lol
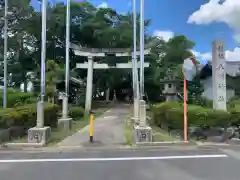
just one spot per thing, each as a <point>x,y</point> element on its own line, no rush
<point>122,165</point>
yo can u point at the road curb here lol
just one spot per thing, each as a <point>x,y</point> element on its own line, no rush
<point>106,148</point>
<point>164,143</point>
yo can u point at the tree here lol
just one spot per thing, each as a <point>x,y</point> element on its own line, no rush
<point>195,90</point>
<point>90,27</point>
<point>53,77</point>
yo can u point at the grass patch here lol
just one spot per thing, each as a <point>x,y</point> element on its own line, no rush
<point>160,135</point>
<point>128,132</point>
<point>58,135</point>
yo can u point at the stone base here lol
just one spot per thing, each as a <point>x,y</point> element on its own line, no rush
<point>39,135</point>
<point>65,124</point>
<point>142,133</point>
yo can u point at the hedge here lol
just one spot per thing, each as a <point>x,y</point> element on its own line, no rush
<point>169,115</point>
<point>17,98</point>
<point>26,116</point>
<point>76,112</point>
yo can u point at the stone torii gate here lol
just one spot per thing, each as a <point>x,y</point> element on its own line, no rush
<point>90,53</point>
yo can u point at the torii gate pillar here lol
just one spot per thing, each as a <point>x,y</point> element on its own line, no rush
<point>88,102</point>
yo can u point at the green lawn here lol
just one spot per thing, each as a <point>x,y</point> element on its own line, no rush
<point>128,133</point>
<point>160,135</point>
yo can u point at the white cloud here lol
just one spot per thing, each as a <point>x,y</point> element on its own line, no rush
<point>202,56</point>
<point>233,55</point>
<point>230,55</point>
<point>165,35</point>
<point>227,11</point>
<point>103,5</point>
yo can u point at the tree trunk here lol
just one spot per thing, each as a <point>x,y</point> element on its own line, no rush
<point>25,83</point>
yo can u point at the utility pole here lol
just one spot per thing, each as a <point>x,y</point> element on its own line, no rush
<point>5,54</point>
<point>141,49</point>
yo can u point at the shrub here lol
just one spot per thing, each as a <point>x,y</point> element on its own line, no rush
<point>170,116</point>
<point>76,112</point>
<point>26,116</point>
<point>18,98</point>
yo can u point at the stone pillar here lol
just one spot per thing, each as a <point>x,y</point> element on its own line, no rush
<point>143,108</point>
<point>40,114</point>
<point>107,94</point>
<point>39,134</point>
<point>219,75</point>
<point>65,122</point>
<point>142,132</point>
<point>65,106</point>
<point>88,101</point>
<point>135,87</point>
<point>114,96</point>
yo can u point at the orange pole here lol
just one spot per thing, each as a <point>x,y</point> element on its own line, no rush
<point>185,110</point>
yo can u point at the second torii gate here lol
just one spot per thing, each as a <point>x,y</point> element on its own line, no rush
<point>90,53</point>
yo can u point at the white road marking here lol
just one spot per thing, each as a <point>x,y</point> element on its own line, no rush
<point>108,117</point>
<point>113,159</point>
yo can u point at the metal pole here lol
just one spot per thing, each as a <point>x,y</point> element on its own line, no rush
<point>43,51</point>
<point>134,63</point>
<point>142,49</point>
<point>40,105</point>
<point>67,47</point>
<point>65,101</point>
<point>5,54</point>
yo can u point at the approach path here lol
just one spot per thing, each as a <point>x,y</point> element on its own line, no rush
<point>108,129</point>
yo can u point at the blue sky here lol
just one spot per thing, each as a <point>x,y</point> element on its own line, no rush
<point>215,19</point>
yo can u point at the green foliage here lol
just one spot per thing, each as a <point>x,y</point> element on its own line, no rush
<point>17,98</point>
<point>76,112</point>
<point>169,115</point>
<point>195,90</point>
<point>205,102</point>
<point>26,116</point>
<point>90,27</point>
<point>53,75</point>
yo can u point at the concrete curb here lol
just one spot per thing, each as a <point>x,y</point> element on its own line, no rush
<point>164,143</point>
<point>217,144</point>
<point>84,149</point>
<point>22,145</point>
<point>168,145</point>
